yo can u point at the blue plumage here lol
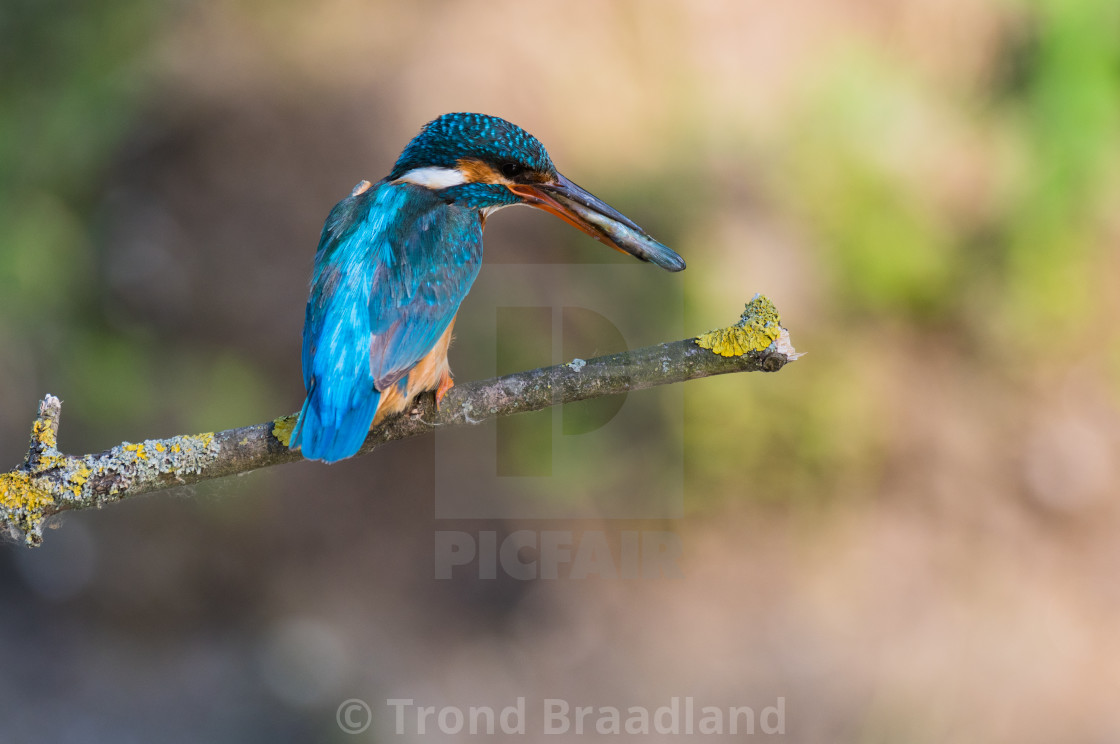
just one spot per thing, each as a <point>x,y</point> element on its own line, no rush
<point>396,258</point>
<point>393,265</point>
<point>443,142</point>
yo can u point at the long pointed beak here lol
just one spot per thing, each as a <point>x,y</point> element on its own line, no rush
<point>598,219</point>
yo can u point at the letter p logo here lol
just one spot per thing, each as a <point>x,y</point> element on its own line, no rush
<point>618,456</point>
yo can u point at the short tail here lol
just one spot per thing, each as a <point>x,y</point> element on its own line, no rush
<point>332,436</point>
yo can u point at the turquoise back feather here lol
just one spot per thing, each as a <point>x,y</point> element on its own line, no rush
<point>393,265</point>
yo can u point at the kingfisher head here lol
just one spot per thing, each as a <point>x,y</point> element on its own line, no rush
<point>486,163</point>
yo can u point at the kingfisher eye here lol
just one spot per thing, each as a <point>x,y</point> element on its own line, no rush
<point>512,170</point>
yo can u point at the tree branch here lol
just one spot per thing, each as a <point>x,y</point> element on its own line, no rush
<point>49,482</point>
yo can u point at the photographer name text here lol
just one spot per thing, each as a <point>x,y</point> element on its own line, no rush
<point>679,716</point>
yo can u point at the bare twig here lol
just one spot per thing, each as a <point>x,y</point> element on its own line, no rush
<point>49,482</point>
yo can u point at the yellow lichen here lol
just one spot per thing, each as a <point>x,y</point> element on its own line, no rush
<point>46,462</point>
<point>44,434</point>
<point>51,481</point>
<point>138,449</point>
<point>756,330</point>
<point>282,428</point>
<point>18,490</point>
<point>154,457</point>
<point>24,500</point>
<point>78,478</point>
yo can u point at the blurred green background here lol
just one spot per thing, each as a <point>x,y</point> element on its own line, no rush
<point>910,534</point>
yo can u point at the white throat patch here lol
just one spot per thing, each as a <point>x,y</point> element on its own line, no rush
<point>487,211</point>
<point>434,178</point>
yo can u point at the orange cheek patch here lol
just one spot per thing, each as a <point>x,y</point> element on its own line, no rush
<point>477,171</point>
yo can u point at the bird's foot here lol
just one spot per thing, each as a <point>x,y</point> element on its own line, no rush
<point>445,384</point>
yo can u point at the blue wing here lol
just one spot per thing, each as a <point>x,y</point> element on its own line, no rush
<point>393,265</point>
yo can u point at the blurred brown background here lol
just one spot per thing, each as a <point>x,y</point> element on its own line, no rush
<point>910,534</point>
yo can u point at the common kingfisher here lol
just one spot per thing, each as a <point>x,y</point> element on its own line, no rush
<point>397,257</point>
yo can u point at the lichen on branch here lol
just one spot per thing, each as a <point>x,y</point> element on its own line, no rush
<point>49,482</point>
<point>758,327</point>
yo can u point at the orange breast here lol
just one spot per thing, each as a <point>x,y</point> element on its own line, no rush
<point>430,373</point>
